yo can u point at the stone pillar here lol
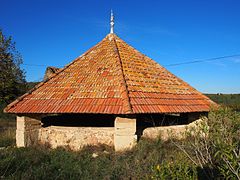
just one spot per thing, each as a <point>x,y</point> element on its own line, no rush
<point>125,133</point>
<point>27,131</point>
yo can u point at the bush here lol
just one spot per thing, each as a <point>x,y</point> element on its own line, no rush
<point>174,170</point>
<point>215,145</point>
<point>224,132</point>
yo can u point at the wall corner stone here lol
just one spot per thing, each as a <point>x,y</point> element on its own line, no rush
<point>125,133</point>
<point>27,131</point>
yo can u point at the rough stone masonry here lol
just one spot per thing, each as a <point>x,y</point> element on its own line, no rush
<point>122,136</point>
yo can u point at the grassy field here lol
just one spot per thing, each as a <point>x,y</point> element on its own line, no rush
<point>7,129</point>
<point>143,162</point>
<point>216,156</point>
<point>197,157</point>
<point>229,100</point>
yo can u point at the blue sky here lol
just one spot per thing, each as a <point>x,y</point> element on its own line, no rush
<point>55,32</point>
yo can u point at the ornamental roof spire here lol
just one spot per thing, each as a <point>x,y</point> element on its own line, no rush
<point>112,22</point>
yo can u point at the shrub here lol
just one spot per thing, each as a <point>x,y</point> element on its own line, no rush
<point>224,132</point>
<point>215,145</point>
<point>174,170</point>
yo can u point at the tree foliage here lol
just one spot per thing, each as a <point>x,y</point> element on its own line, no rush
<point>12,77</point>
<point>227,100</point>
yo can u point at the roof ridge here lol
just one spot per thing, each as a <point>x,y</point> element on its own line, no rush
<point>125,80</point>
<point>126,99</point>
<point>157,64</point>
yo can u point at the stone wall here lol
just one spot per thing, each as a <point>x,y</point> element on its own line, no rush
<point>165,132</point>
<point>122,136</point>
<point>76,137</point>
<point>27,131</point>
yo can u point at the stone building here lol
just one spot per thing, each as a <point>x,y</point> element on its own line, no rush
<point>109,95</point>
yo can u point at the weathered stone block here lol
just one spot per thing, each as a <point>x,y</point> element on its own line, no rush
<point>125,126</point>
<point>20,138</point>
<point>124,142</point>
<point>20,122</point>
<point>125,133</point>
<point>27,131</point>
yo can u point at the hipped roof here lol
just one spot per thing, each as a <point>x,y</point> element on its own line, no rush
<point>112,78</point>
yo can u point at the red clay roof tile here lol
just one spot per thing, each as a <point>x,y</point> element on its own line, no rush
<point>112,78</point>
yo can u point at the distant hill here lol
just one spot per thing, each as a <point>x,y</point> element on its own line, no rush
<point>230,100</point>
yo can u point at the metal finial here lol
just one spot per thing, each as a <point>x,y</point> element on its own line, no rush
<point>112,22</point>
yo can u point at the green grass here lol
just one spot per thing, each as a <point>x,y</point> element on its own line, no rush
<point>200,157</point>
<point>150,159</point>
<point>7,137</point>
<point>7,128</point>
<point>7,123</point>
<point>43,163</point>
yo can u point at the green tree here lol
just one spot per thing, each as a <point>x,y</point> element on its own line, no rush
<point>12,77</point>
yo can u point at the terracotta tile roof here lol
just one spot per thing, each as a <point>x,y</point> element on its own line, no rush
<point>112,78</point>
